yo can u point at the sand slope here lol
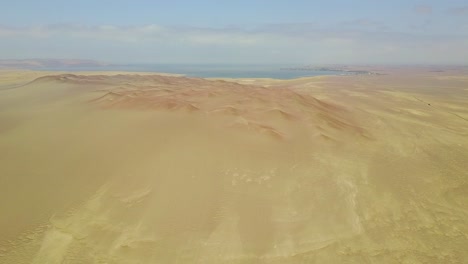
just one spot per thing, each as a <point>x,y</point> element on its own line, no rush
<point>131,168</point>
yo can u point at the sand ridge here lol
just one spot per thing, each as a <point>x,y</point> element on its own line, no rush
<point>250,106</point>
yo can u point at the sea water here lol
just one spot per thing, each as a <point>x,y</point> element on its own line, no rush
<point>212,70</point>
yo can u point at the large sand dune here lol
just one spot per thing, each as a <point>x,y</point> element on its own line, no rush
<point>142,168</point>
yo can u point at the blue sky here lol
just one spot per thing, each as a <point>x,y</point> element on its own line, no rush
<point>259,32</point>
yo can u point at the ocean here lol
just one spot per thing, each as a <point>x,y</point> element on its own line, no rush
<point>211,70</point>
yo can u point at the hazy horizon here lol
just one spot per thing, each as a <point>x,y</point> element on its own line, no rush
<point>136,63</point>
<point>241,32</point>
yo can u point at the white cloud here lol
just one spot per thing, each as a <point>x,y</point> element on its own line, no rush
<point>359,42</point>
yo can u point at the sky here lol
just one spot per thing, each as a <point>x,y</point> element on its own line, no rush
<point>237,31</point>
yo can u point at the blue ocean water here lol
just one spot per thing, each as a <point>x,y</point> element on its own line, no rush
<point>211,70</point>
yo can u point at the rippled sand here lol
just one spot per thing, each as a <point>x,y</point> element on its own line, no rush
<point>142,168</point>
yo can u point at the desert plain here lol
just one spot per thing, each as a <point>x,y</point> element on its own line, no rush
<point>107,167</point>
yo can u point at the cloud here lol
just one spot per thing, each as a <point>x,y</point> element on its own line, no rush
<point>423,9</point>
<point>363,22</point>
<point>459,11</point>
<point>148,33</point>
<point>357,41</point>
<point>286,28</point>
<point>424,25</point>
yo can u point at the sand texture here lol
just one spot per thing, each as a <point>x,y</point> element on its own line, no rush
<point>145,168</point>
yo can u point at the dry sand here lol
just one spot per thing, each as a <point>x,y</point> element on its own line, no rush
<point>126,168</point>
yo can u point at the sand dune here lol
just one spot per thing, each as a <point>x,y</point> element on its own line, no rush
<point>142,168</point>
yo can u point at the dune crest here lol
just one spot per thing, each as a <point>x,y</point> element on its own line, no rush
<point>263,106</point>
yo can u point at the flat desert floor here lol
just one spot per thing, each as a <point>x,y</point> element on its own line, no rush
<point>145,168</point>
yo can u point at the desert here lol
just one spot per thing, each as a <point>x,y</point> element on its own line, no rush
<point>120,167</point>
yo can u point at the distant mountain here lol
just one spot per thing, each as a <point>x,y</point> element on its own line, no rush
<point>49,63</point>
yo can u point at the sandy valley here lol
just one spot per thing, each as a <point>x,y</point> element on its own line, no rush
<point>144,168</point>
